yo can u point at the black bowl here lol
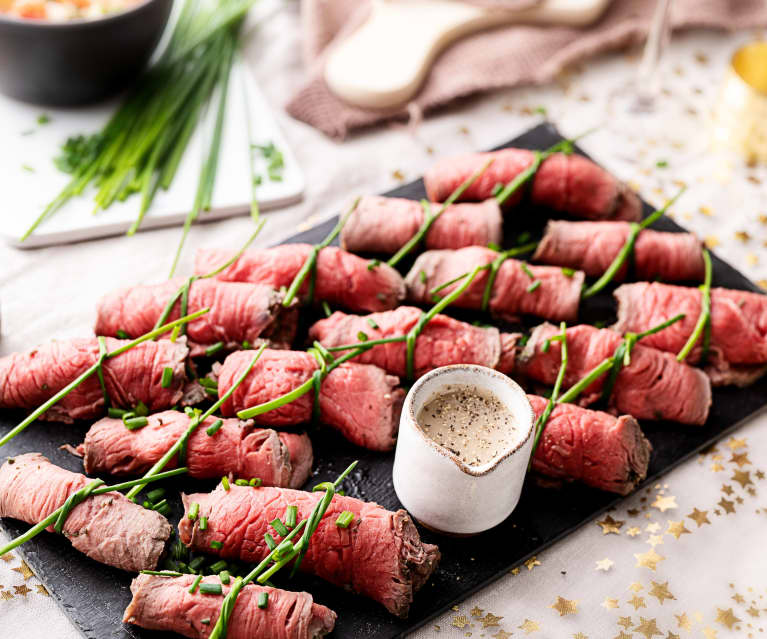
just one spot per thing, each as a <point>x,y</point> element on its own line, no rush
<point>78,61</point>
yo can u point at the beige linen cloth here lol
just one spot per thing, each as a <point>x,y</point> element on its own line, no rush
<point>500,57</point>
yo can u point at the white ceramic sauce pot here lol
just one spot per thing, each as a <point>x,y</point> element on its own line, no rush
<point>434,485</point>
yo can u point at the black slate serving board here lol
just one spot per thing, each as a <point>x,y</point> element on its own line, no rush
<point>94,596</point>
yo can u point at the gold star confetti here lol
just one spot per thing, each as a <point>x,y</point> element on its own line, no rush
<point>652,528</point>
<point>460,621</point>
<point>622,635</point>
<point>760,474</point>
<point>42,590</point>
<point>741,459</point>
<point>529,626</point>
<point>476,611</point>
<point>717,467</point>
<point>734,444</point>
<point>683,621</point>
<point>6,594</point>
<point>610,603</point>
<point>743,477</point>
<point>636,587</point>
<point>502,634</point>
<point>711,241</point>
<point>727,506</point>
<point>490,620</point>
<point>726,618</point>
<point>709,633</point>
<point>605,564</point>
<point>638,602</point>
<point>754,612</point>
<point>7,557</point>
<point>650,559</point>
<point>532,562</point>
<point>660,591</point>
<point>515,571</point>
<point>455,608</point>
<point>664,503</point>
<point>672,635</point>
<point>24,570</point>
<point>727,489</point>
<point>610,525</point>
<point>738,598</point>
<point>677,528</point>
<point>579,635</point>
<point>625,622</point>
<point>22,590</point>
<point>655,540</point>
<point>647,627</point>
<point>633,531</point>
<point>565,606</point>
<point>632,512</point>
<point>700,517</point>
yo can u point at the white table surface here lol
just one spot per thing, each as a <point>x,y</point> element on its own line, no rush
<point>716,573</point>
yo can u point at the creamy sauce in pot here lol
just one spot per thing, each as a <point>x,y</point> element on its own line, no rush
<point>470,422</point>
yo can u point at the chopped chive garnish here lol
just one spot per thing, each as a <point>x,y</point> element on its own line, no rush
<point>164,510</point>
<point>207,383</point>
<point>278,526</point>
<point>263,599</point>
<point>567,271</point>
<point>167,377</point>
<point>175,333</point>
<point>270,541</point>
<point>245,344</point>
<point>225,482</point>
<point>134,423</point>
<point>241,482</point>
<point>147,504</point>
<point>160,504</point>
<point>422,276</point>
<point>291,514</point>
<point>526,269</point>
<point>194,511</point>
<point>372,322</point>
<point>43,118</point>
<point>217,545</point>
<point>344,519</point>
<point>284,549</point>
<point>495,247</point>
<point>215,427</point>
<point>214,348</point>
<point>362,337</point>
<point>141,409</point>
<point>326,309</point>
<point>203,523</point>
<point>255,482</point>
<point>524,237</point>
<point>210,589</point>
<point>534,286</point>
<point>155,495</point>
<point>373,264</point>
<point>116,413</point>
<point>662,164</point>
<point>122,334</point>
<point>197,563</point>
<point>224,576</point>
<point>195,583</point>
<point>205,621</point>
<point>218,566</point>
<point>545,347</point>
<point>497,189</point>
<point>189,411</point>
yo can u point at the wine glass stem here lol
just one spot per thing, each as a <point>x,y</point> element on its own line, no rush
<point>648,78</point>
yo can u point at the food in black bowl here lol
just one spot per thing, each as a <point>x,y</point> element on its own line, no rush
<point>73,52</point>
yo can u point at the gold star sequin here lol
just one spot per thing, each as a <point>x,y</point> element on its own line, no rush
<point>760,474</point>
<point>677,528</point>
<point>727,489</point>
<point>727,506</point>
<point>636,587</point>
<point>7,557</point>
<point>610,526</point>
<point>22,590</point>
<point>565,606</point>
<point>622,635</point>
<point>660,591</point>
<point>490,620</point>
<point>655,540</point>
<point>737,598</point>
<point>529,626</point>
<point>650,559</point>
<point>741,459</point>
<point>683,621</point>
<point>633,531</point>
<point>726,618</point>
<point>734,444</point>
<point>664,503</point>
<point>754,612</point>
<point>743,477</point>
<point>672,635</point>
<point>632,512</point>
<point>42,590</point>
<point>709,633</point>
<point>716,467</point>
<point>638,602</point>
<point>24,570</point>
<point>476,611</point>
<point>647,627</point>
<point>460,621</point>
<point>625,622</point>
<point>700,517</point>
<point>515,570</point>
<point>6,594</point>
<point>579,635</point>
<point>652,528</point>
<point>610,603</point>
<point>532,562</point>
<point>502,634</point>
<point>605,564</point>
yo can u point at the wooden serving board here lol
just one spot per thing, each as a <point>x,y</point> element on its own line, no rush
<point>94,596</point>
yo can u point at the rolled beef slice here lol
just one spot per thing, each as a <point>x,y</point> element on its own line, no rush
<point>29,379</point>
<point>442,341</point>
<point>238,312</point>
<point>380,555</point>
<point>653,386</point>
<point>596,448</point>
<point>342,277</point>
<point>556,298</point>
<point>108,528</point>
<point>236,448</point>
<point>163,603</point>
<point>385,224</point>
<point>359,400</point>
<point>592,246</point>
<point>570,184</point>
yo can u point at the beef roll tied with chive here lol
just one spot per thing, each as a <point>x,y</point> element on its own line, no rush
<point>165,603</point>
<point>230,447</point>
<point>379,555</point>
<point>342,278</point>
<point>239,312</point>
<point>108,528</point>
<point>361,401</point>
<point>27,380</point>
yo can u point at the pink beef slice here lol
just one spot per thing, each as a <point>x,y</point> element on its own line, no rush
<point>163,603</point>
<point>108,528</point>
<point>380,555</point>
<point>596,448</point>
<point>238,312</point>
<point>442,341</point>
<point>653,386</point>
<point>342,277</point>
<point>29,379</point>
<point>359,400</point>
<point>236,448</point>
<point>571,184</point>
<point>592,246</point>
<point>556,298</point>
<point>385,224</point>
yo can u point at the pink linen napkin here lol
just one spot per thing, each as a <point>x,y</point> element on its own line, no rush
<point>501,57</point>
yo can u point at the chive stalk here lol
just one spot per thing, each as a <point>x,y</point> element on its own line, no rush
<point>194,511</point>
<point>210,589</point>
<point>195,584</point>
<point>263,599</point>
<point>703,325</point>
<point>167,377</point>
<point>345,519</point>
<point>291,514</point>
<point>214,427</point>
